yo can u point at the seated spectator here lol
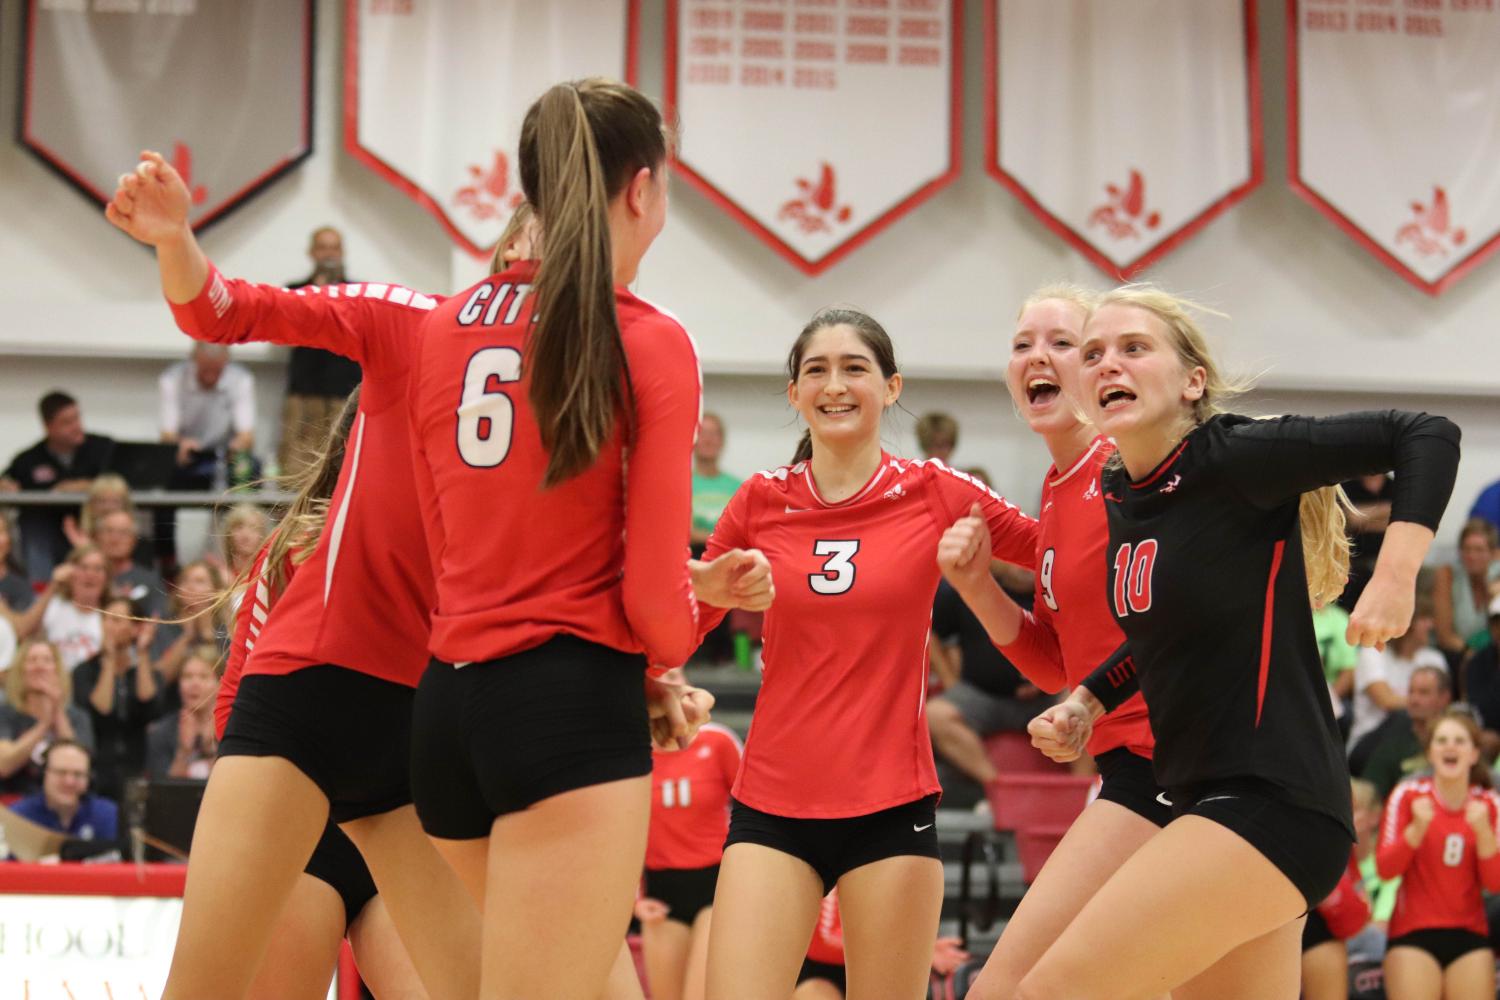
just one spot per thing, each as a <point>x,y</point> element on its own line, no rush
<point>15,587</point>
<point>182,744</point>
<point>1330,624</point>
<point>116,535</point>
<point>1487,505</point>
<point>988,694</point>
<point>107,494</point>
<point>1482,686</point>
<point>937,436</point>
<point>122,694</point>
<point>66,803</point>
<point>317,381</point>
<point>1371,497</point>
<point>1382,678</point>
<point>1462,593</point>
<point>245,529</point>
<point>66,612</point>
<point>196,616</point>
<point>208,412</point>
<point>66,460</point>
<point>1397,751</point>
<point>38,712</point>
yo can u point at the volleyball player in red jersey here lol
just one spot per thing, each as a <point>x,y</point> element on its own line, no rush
<point>1439,837</point>
<point>689,820</point>
<point>349,633</point>
<point>335,896</point>
<point>1069,633</point>
<point>1220,528</point>
<point>561,567</point>
<point>838,785</point>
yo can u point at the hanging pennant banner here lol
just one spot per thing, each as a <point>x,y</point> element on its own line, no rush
<point>1392,112</point>
<point>223,90</point>
<point>1126,127</point>
<point>816,123</point>
<point>435,91</point>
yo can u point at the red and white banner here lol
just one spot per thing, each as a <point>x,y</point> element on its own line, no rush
<point>223,90</point>
<point>1126,127</point>
<point>819,123</point>
<point>1392,118</point>
<point>435,91</point>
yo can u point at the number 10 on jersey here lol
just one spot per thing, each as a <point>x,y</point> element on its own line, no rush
<point>486,415</point>
<point>1133,577</point>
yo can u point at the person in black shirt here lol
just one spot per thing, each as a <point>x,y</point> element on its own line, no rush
<point>989,695</point>
<point>67,459</point>
<point>122,693</point>
<point>1220,528</point>
<point>317,381</point>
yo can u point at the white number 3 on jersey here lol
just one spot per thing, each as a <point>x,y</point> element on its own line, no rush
<point>838,572</point>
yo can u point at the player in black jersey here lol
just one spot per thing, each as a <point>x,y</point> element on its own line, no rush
<point>1210,566</point>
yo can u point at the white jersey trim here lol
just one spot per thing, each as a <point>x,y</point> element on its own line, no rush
<point>1064,477</point>
<point>336,533</point>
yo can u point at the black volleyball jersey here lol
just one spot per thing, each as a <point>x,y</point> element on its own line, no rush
<point>1207,581</point>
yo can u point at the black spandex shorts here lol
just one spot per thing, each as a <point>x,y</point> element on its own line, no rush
<point>1445,944</point>
<point>347,731</point>
<point>1315,931</point>
<point>835,974</point>
<point>1128,781</point>
<point>833,847</point>
<point>686,891</point>
<point>496,737</point>
<point>338,862</point>
<point>1310,848</point>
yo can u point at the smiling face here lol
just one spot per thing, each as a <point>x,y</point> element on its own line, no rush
<point>1452,752</point>
<point>39,666</point>
<point>1044,368</point>
<point>1133,379</point>
<point>840,389</point>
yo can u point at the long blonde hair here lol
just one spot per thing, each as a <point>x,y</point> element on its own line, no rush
<point>15,678</point>
<point>1325,540</point>
<point>241,513</point>
<point>581,143</point>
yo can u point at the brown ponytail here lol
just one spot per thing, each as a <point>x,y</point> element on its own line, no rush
<point>865,327</point>
<point>581,143</point>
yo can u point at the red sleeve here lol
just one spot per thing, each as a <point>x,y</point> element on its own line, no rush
<point>365,322</point>
<point>1489,868</point>
<point>1393,855</point>
<point>656,589</point>
<point>1347,908</point>
<point>1036,651</point>
<point>732,531</point>
<point>1013,535</point>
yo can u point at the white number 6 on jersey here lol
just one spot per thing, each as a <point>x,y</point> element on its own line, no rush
<point>485,417</point>
<point>838,572</point>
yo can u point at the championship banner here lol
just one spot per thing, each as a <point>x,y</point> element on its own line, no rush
<point>435,91</point>
<point>819,123</point>
<point>1125,127</point>
<point>222,90</point>
<point>1391,118</point>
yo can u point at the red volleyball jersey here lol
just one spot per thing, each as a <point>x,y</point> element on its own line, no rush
<point>690,800</point>
<point>1346,911</point>
<point>840,726</point>
<point>1070,629</point>
<point>602,556</point>
<point>1442,878</point>
<point>827,945</point>
<point>249,620</point>
<point>361,600</point>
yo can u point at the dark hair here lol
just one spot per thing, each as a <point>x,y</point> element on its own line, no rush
<point>54,403</point>
<point>933,425</point>
<point>870,332</point>
<point>1479,774</point>
<point>581,143</point>
<point>59,744</point>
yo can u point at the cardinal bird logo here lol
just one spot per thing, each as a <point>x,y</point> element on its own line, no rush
<point>1431,232</point>
<point>182,162</point>
<point>1124,209</point>
<point>817,209</point>
<point>489,195</point>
